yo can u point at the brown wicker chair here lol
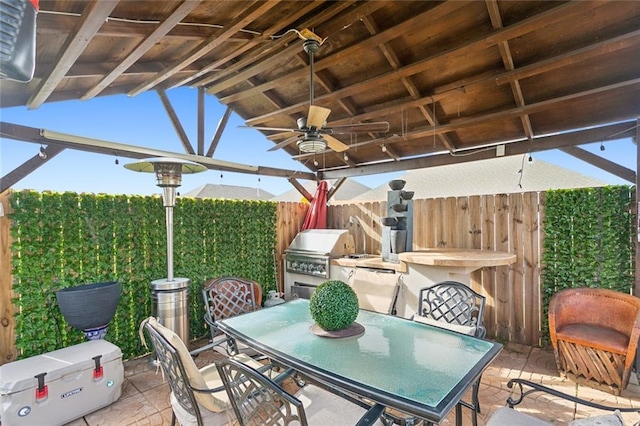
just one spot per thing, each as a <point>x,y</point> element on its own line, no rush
<point>594,333</point>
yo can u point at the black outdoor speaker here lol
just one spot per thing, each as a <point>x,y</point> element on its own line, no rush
<point>18,39</point>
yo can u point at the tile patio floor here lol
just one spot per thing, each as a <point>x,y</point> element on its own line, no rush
<point>145,398</point>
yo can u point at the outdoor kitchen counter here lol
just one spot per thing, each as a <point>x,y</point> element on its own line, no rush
<point>424,268</point>
<point>459,258</point>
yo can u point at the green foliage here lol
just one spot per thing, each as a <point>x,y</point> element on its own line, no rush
<point>333,305</point>
<point>588,242</point>
<point>67,239</point>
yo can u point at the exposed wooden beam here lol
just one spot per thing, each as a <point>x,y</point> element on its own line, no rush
<point>55,24</point>
<point>305,8</point>
<point>622,130</point>
<point>42,136</point>
<point>143,47</point>
<point>573,57</point>
<point>95,15</point>
<point>177,125</point>
<point>334,188</point>
<point>507,60</point>
<point>301,189</point>
<point>602,163</point>
<point>499,115</point>
<point>29,166</point>
<point>284,47</point>
<point>527,25</point>
<point>207,46</point>
<point>200,121</point>
<point>222,124</point>
<point>354,49</point>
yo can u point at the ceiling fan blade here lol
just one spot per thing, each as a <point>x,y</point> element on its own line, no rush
<point>317,116</point>
<point>335,144</point>
<point>284,143</point>
<point>377,127</point>
<point>274,129</point>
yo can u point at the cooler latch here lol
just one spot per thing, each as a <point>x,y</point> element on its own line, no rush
<point>98,371</point>
<point>42,392</point>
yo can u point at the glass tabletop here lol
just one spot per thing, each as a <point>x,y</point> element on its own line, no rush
<point>397,362</point>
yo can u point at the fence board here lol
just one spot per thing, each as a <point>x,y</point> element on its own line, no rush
<point>8,350</point>
<point>502,288</point>
<point>517,290</point>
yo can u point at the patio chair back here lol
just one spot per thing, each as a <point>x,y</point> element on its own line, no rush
<point>227,297</point>
<point>452,305</point>
<point>183,376</point>
<point>258,400</point>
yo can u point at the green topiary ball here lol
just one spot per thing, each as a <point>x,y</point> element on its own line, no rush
<point>334,305</point>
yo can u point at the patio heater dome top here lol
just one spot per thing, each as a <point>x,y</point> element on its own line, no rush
<point>168,170</point>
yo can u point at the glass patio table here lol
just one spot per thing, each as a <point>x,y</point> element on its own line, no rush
<point>415,368</point>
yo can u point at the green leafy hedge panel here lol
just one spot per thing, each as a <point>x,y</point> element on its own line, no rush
<point>588,241</point>
<point>67,239</point>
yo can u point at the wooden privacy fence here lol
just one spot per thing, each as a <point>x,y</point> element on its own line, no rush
<point>508,223</point>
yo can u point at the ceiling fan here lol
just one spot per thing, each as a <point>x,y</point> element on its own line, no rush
<point>311,134</point>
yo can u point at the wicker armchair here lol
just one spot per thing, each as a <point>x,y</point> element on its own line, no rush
<point>594,333</point>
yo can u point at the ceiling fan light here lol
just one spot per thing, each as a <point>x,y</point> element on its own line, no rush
<point>312,144</point>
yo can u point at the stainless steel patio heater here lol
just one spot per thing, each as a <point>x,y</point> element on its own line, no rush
<point>169,296</point>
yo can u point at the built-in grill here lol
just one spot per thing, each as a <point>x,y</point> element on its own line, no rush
<point>310,251</point>
<point>307,258</point>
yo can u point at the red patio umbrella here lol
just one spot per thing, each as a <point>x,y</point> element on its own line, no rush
<point>316,217</point>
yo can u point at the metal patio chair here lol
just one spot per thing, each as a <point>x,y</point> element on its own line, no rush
<point>258,400</point>
<point>454,306</point>
<point>227,297</point>
<point>197,395</point>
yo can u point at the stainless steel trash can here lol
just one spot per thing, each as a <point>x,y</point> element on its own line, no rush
<point>170,304</point>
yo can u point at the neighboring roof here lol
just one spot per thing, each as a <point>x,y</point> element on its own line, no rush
<point>347,191</point>
<point>494,176</point>
<point>229,192</point>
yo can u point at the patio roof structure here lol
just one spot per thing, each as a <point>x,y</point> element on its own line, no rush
<point>456,81</point>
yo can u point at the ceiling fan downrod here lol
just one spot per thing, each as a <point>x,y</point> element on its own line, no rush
<point>311,46</point>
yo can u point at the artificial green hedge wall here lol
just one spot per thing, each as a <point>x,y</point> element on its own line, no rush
<point>67,239</point>
<point>588,241</point>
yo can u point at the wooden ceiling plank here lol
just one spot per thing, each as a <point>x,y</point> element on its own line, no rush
<point>611,45</point>
<point>143,47</point>
<point>600,162</point>
<point>208,45</point>
<point>93,18</point>
<point>337,56</point>
<point>274,29</point>
<point>29,166</point>
<point>541,144</point>
<point>177,125</point>
<point>423,64</point>
<point>283,47</point>
<point>222,124</point>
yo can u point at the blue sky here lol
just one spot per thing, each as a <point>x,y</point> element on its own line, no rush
<point>142,121</point>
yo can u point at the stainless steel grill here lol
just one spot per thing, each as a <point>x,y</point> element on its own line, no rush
<point>312,249</point>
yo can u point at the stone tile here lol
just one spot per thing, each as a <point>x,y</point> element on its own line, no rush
<point>125,411</point>
<point>145,396</point>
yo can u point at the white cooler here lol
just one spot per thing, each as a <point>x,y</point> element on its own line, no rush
<point>60,386</point>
